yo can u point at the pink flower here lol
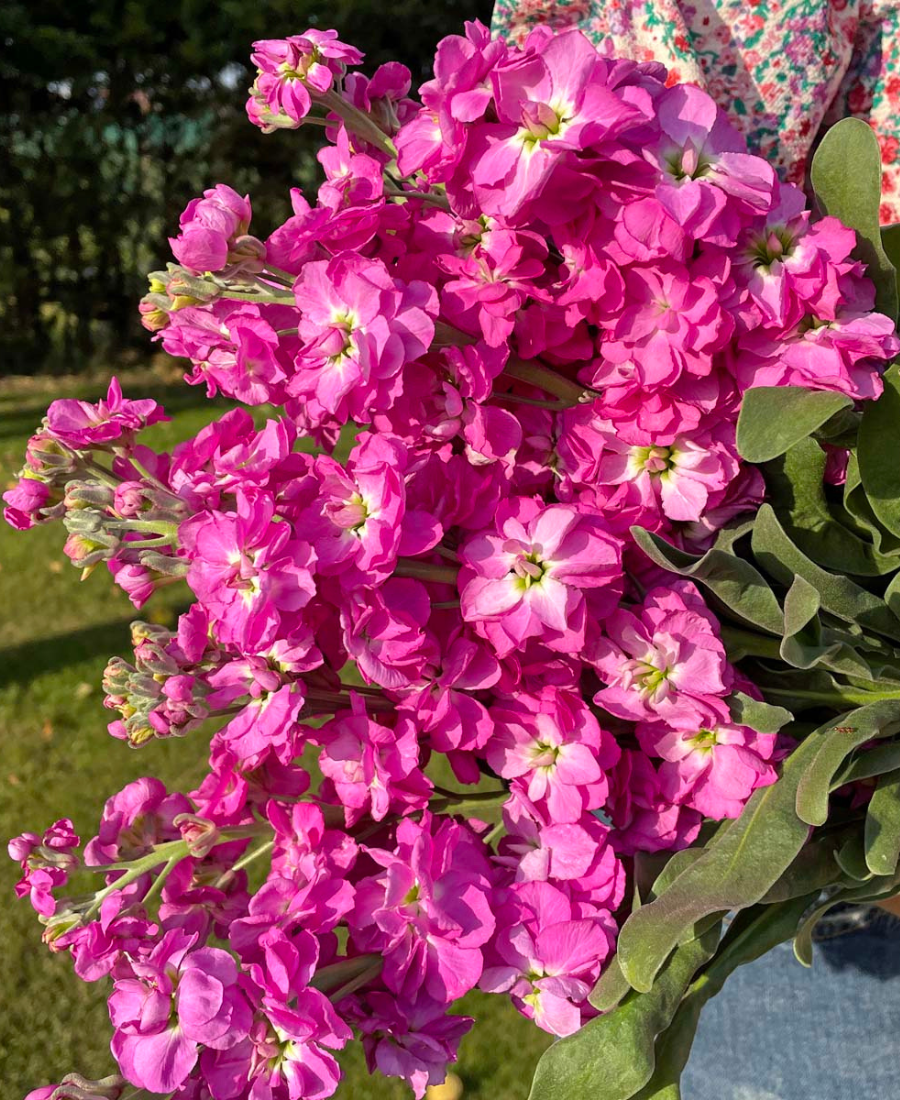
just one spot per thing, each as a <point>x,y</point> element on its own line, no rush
<point>528,579</point>
<point>413,1040</point>
<point>456,722</point>
<point>644,818</point>
<point>214,233</point>
<point>555,752</point>
<point>664,660</point>
<point>713,770</point>
<point>174,1000</point>
<point>384,631</point>
<point>81,425</point>
<point>247,571</point>
<point>359,327</point>
<point>134,820</point>
<point>46,862</point>
<point>547,955</point>
<point>292,71</point>
<point>355,522</point>
<point>576,856</point>
<point>678,479</point>
<point>673,324</point>
<point>373,769</point>
<point>429,911</point>
<point>548,102</point>
<point>26,504</point>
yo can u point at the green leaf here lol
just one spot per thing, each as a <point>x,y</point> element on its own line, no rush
<point>814,687</point>
<point>846,179</point>
<point>878,465</point>
<point>774,418</point>
<point>813,869</point>
<point>877,761</point>
<point>820,528</point>
<point>610,987</point>
<point>739,586</point>
<point>751,934</point>
<point>781,559</point>
<point>759,716</point>
<point>892,596</point>
<point>834,744</point>
<point>890,242</point>
<point>882,832</point>
<point>736,869</point>
<point>859,511</point>
<point>807,645</point>
<point>877,889</point>
<point>851,859</point>
<point>612,1057</point>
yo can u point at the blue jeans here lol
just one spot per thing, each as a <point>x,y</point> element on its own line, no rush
<point>778,1031</point>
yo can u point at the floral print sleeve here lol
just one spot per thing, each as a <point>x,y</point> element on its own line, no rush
<point>783,69</point>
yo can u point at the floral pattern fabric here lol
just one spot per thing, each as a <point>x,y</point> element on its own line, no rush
<point>783,69</point>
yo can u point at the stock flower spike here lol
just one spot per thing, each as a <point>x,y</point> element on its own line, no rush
<point>506,349</point>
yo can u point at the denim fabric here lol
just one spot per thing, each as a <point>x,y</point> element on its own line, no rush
<point>778,1031</point>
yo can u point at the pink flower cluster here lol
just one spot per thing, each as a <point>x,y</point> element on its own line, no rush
<point>518,320</point>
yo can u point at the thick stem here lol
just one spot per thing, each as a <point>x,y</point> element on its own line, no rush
<point>426,571</point>
<point>545,378</point>
<point>357,122</point>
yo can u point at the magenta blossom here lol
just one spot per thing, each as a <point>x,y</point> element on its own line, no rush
<point>46,862</point>
<point>429,911</point>
<point>528,579</point>
<point>176,999</point>
<point>548,955</point>
<point>115,419</point>
<point>359,327</point>
<point>553,749</point>
<point>713,770</point>
<point>372,768</point>
<point>247,571</point>
<point>664,660</point>
<point>413,1040</point>
<point>214,233</point>
<point>292,71</point>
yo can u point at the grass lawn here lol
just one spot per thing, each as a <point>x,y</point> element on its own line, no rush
<point>56,760</point>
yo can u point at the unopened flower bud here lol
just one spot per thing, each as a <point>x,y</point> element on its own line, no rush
<point>199,834</point>
<point>154,312</point>
<point>87,494</point>
<point>75,1087</point>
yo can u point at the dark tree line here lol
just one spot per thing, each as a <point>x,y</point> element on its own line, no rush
<point>113,113</point>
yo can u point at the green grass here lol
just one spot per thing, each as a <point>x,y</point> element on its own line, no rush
<point>56,760</point>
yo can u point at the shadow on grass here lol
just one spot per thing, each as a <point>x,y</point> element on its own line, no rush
<point>22,663</point>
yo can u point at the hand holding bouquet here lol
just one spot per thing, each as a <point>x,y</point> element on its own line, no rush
<point>511,680</point>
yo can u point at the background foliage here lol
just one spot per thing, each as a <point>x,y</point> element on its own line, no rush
<point>114,114</point>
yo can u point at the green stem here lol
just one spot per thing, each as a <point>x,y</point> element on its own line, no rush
<point>426,571</point>
<point>357,122</point>
<point>831,698</point>
<point>160,526</point>
<point>105,475</point>
<point>169,854</point>
<point>545,378</point>
<point>422,196</point>
<point>157,884</point>
<point>253,296</point>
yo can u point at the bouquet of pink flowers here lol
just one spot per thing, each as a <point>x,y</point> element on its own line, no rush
<point>524,635</point>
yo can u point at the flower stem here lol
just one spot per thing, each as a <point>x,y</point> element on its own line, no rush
<point>357,122</point>
<point>426,571</point>
<point>545,378</point>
